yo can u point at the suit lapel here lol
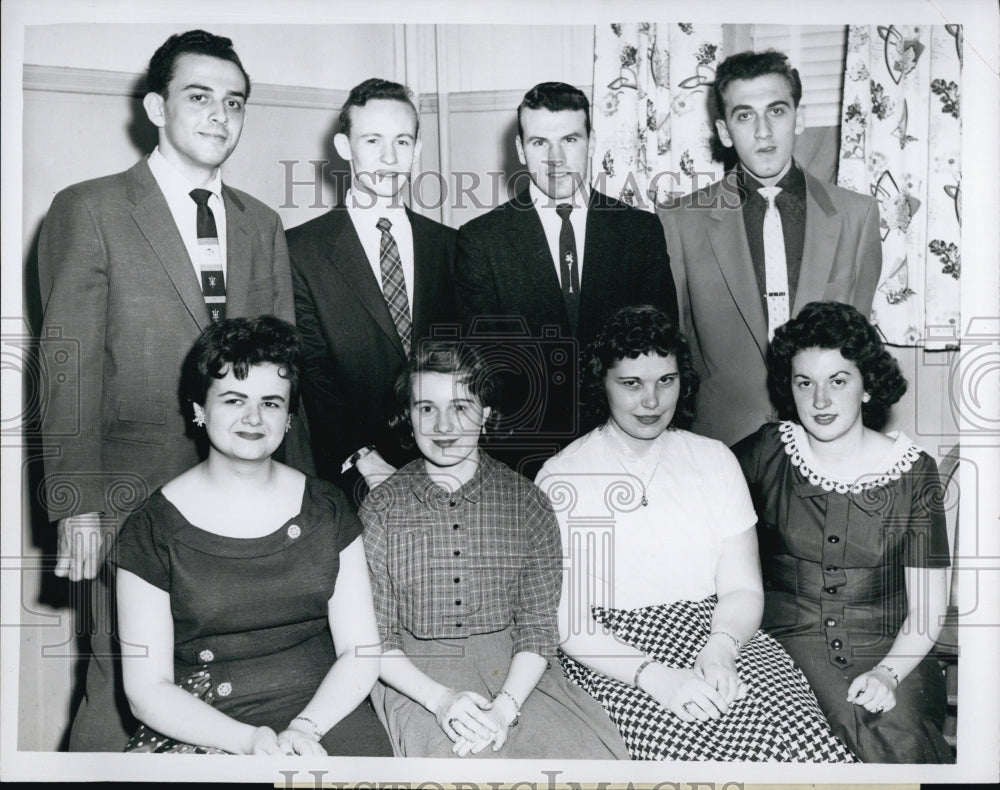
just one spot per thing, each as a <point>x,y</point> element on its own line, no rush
<point>532,266</point>
<point>728,238</point>
<point>238,250</point>
<point>598,260</point>
<point>822,232</point>
<point>153,218</point>
<point>347,256</point>
<point>425,254</point>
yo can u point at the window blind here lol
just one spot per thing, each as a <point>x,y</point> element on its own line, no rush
<point>818,52</point>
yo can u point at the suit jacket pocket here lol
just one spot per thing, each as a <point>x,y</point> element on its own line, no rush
<point>138,421</point>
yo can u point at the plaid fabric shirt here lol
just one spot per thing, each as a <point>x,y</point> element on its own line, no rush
<point>483,558</point>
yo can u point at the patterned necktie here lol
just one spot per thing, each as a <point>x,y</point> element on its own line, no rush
<point>393,283</point>
<point>569,269</point>
<point>775,264</point>
<point>213,283</point>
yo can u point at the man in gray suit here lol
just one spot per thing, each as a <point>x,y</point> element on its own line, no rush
<point>750,250</point>
<point>132,267</point>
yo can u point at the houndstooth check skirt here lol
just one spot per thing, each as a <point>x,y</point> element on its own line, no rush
<point>778,720</point>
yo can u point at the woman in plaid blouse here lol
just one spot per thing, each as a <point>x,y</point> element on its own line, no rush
<point>466,571</point>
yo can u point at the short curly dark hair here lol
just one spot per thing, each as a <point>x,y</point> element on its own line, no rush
<point>445,356</point>
<point>750,65</point>
<point>554,97</point>
<point>834,325</point>
<point>630,333</point>
<point>238,344</point>
<point>192,42</point>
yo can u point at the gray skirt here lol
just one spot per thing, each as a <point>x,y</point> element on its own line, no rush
<point>558,720</point>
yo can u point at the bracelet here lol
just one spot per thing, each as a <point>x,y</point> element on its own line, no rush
<point>726,633</point>
<point>892,673</point>
<point>313,726</point>
<point>353,460</point>
<point>517,708</point>
<point>642,666</point>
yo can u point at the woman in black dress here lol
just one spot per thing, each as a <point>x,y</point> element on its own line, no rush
<point>244,580</point>
<point>852,537</point>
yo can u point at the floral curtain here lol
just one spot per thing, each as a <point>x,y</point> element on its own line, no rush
<point>651,115</point>
<point>900,141</point>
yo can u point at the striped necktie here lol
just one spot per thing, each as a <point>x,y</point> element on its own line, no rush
<point>393,284</point>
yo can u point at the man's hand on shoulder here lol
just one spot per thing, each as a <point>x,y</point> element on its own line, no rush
<point>84,542</point>
<point>374,468</point>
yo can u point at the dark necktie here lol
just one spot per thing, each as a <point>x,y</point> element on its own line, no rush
<point>569,269</point>
<point>213,283</point>
<point>393,283</point>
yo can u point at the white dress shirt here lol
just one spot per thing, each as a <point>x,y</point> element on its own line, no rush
<point>365,213</point>
<point>177,190</point>
<point>552,223</point>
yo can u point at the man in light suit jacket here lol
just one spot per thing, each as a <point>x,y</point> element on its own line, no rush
<point>371,279</point>
<point>551,266</point>
<point>823,244</point>
<point>123,303</point>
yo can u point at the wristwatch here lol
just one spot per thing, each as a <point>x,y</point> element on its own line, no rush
<point>353,460</point>
<point>517,708</point>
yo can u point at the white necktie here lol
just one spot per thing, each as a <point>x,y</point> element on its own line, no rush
<point>775,265</point>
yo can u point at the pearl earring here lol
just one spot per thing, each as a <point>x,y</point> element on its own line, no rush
<point>865,398</point>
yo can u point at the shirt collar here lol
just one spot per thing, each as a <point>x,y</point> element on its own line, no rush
<point>793,183</point>
<point>169,177</point>
<point>377,204</point>
<point>580,199</point>
<point>426,490</point>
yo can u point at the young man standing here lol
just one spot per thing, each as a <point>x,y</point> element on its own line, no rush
<point>556,261</point>
<point>749,251</point>
<point>370,279</point>
<point>132,267</point>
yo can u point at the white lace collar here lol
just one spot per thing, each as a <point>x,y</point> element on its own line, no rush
<point>897,460</point>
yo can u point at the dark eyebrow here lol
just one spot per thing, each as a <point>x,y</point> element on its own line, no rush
<point>779,103</point>
<point>243,395</point>
<point>208,89</point>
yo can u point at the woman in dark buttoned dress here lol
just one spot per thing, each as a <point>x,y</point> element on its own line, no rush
<point>852,537</point>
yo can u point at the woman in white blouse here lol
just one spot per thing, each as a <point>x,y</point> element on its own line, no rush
<point>662,597</point>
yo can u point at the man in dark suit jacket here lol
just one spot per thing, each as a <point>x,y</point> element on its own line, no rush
<point>830,246</point>
<point>520,271</point>
<point>123,303</point>
<point>357,326</point>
